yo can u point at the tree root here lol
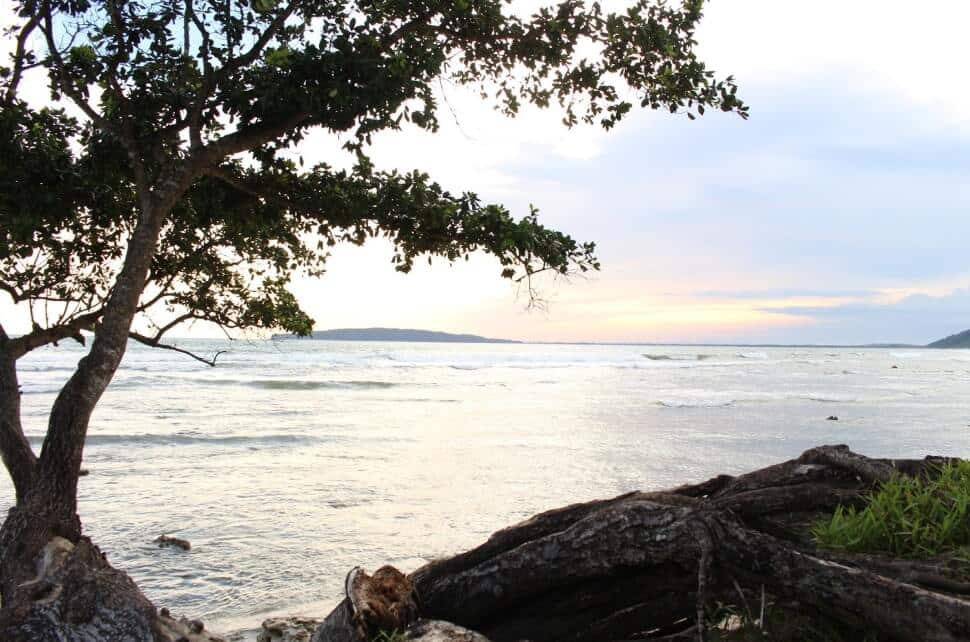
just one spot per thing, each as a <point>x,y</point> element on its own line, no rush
<point>648,565</point>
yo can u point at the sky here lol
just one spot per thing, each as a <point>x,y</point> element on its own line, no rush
<point>836,214</point>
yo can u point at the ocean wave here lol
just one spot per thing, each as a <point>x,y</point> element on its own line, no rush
<point>521,365</point>
<point>28,389</point>
<point>696,403</point>
<point>300,384</point>
<point>752,355</point>
<point>40,368</point>
<point>824,398</point>
<point>678,357</point>
<point>738,398</point>
<point>196,437</point>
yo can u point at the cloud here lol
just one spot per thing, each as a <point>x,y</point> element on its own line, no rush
<point>918,318</point>
<point>915,51</point>
<point>817,186</point>
<point>776,293</point>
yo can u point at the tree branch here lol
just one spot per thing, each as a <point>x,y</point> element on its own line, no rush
<point>248,138</point>
<point>154,343</point>
<point>65,84</point>
<point>19,56</point>
<point>42,336</point>
<point>212,80</point>
<point>249,56</point>
<point>11,290</point>
<point>174,322</point>
<point>239,184</point>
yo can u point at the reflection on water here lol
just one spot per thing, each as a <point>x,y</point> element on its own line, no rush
<point>290,463</point>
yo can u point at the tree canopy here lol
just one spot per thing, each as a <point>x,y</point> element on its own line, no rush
<point>163,174</point>
<point>190,110</point>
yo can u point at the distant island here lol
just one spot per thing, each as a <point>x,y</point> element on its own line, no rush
<point>958,340</point>
<point>392,334</point>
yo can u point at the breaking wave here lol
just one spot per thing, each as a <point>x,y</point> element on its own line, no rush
<point>301,384</point>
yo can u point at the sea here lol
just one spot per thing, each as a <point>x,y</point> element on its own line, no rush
<point>293,461</point>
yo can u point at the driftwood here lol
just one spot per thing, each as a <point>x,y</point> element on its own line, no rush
<point>648,565</point>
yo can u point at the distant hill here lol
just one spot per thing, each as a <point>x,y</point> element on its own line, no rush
<point>392,334</point>
<point>958,340</point>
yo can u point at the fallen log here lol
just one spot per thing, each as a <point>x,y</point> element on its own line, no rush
<point>648,565</point>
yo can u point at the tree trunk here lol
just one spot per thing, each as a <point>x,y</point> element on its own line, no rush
<point>648,565</point>
<point>77,596</point>
<point>17,455</point>
<point>46,487</point>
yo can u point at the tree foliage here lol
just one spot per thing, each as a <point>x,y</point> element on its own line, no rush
<point>189,111</point>
<point>163,173</point>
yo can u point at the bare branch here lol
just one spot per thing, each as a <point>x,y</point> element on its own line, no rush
<point>149,341</point>
<point>174,322</point>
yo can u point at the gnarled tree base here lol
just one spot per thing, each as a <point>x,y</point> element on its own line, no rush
<point>647,565</point>
<point>77,596</point>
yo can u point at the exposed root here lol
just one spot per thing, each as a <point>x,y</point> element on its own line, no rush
<point>645,565</point>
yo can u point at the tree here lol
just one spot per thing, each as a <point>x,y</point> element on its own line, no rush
<point>163,174</point>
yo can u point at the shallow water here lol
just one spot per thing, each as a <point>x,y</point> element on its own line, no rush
<point>293,461</point>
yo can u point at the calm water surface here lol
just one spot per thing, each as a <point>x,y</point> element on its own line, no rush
<point>293,461</point>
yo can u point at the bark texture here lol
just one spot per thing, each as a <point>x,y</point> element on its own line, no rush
<point>645,565</point>
<point>77,596</point>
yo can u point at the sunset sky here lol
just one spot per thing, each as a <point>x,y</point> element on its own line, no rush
<point>836,214</point>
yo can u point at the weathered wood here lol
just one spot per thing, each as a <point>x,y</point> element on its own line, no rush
<point>384,601</point>
<point>77,596</point>
<point>643,565</point>
<point>856,596</point>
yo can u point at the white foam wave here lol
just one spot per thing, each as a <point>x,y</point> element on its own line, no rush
<point>753,355</point>
<point>698,403</point>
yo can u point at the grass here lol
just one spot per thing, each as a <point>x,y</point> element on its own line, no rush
<point>389,636</point>
<point>911,517</point>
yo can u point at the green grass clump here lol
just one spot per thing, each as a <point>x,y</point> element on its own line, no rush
<point>912,517</point>
<point>389,636</point>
